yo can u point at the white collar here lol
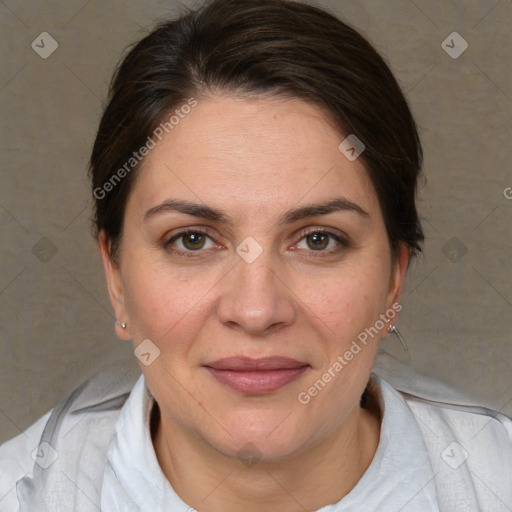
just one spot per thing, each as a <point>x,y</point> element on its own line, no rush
<point>133,478</point>
<point>400,476</point>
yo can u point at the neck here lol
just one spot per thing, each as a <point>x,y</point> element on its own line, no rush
<point>209,481</point>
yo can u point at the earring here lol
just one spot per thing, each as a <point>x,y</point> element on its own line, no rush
<point>121,324</point>
<point>392,329</point>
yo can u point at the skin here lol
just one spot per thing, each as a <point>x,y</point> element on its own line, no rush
<point>255,160</point>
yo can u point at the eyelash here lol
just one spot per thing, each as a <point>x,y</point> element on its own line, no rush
<point>177,236</point>
<point>342,242</point>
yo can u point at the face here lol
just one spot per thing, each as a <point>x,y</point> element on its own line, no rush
<point>254,254</point>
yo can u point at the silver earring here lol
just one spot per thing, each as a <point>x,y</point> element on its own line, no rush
<point>392,329</point>
<point>121,324</point>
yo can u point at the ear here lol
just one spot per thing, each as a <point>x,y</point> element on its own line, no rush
<point>401,264</point>
<point>114,285</point>
<point>398,272</point>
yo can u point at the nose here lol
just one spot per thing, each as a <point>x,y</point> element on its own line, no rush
<point>256,299</point>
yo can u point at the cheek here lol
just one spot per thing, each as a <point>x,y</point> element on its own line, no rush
<point>163,305</point>
<point>345,302</point>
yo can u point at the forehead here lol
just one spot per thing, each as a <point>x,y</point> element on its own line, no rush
<point>244,153</point>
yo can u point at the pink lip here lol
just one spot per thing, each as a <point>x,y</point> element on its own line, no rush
<point>256,376</point>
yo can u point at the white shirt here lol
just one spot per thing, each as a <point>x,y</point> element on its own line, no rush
<point>394,481</point>
<point>432,456</point>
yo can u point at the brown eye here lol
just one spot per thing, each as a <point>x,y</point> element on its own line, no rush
<point>322,242</point>
<point>193,241</point>
<point>317,241</point>
<point>189,241</point>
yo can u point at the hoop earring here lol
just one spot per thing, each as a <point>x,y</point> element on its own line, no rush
<point>393,330</point>
<point>121,324</point>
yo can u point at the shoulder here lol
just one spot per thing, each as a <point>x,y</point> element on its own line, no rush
<point>464,431</point>
<point>16,461</point>
<point>437,403</point>
<point>80,424</point>
<point>463,420</point>
<point>469,445</point>
<point>470,450</point>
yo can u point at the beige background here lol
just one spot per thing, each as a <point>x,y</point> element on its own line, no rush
<point>56,323</point>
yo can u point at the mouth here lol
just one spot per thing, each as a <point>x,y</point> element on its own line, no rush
<point>256,376</point>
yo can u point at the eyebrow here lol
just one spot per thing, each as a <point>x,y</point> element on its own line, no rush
<point>211,214</point>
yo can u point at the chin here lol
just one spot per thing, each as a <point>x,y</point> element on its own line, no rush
<point>265,436</point>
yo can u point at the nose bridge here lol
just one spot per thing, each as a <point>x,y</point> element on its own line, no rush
<point>255,299</point>
<point>257,280</point>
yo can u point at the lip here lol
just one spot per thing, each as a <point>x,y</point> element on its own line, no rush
<point>256,376</point>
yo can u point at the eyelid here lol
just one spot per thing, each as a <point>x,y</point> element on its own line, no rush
<point>335,233</point>
<point>176,233</point>
<point>179,232</point>
<point>339,236</point>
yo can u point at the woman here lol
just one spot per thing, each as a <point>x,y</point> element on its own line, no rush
<point>254,179</point>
